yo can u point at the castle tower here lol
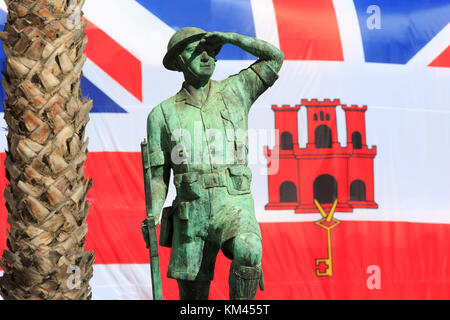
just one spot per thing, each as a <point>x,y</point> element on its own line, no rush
<point>356,125</point>
<point>360,163</point>
<point>322,128</point>
<point>286,124</point>
<point>283,175</point>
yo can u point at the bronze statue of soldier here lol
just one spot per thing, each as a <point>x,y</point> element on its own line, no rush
<point>201,134</point>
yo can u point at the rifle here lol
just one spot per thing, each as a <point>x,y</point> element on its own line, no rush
<point>151,224</point>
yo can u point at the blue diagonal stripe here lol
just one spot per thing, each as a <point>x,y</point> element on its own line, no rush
<point>406,27</point>
<point>101,102</point>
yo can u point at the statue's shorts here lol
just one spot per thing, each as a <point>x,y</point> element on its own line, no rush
<point>202,226</point>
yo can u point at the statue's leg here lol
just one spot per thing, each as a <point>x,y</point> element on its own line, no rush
<point>245,271</point>
<point>193,290</point>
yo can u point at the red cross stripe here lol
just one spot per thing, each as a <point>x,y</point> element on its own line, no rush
<point>308,30</point>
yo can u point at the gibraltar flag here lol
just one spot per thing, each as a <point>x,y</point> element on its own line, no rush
<point>360,114</point>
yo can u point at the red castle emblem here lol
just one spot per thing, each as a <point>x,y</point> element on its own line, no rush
<point>324,170</point>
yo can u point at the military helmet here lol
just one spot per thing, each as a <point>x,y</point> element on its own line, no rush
<point>179,41</point>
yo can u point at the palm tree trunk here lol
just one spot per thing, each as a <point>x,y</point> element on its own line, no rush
<point>46,116</point>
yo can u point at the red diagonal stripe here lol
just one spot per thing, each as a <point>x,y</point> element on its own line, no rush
<point>114,59</point>
<point>443,60</point>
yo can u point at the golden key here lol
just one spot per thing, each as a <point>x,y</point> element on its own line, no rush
<point>327,222</point>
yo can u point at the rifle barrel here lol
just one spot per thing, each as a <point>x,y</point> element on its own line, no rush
<point>155,270</point>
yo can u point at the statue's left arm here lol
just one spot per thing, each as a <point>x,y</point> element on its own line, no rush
<point>253,81</point>
<point>259,48</point>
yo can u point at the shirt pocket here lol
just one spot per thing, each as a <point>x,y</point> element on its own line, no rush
<point>238,180</point>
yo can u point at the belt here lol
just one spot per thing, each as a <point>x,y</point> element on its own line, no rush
<point>206,180</point>
<point>213,179</point>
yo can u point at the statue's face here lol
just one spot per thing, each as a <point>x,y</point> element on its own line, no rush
<point>198,60</point>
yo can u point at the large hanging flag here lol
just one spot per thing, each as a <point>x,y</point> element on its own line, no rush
<point>360,114</point>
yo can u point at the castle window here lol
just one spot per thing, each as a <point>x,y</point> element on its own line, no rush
<point>315,116</point>
<point>286,141</point>
<point>357,191</point>
<point>328,117</point>
<point>356,140</point>
<point>325,189</point>
<point>321,115</point>
<point>323,136</point>
<point>288,192</point>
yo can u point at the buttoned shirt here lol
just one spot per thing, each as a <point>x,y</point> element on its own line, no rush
<point>209,135</point>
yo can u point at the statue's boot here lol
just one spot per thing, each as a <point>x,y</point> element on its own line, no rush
<point>244,281</point>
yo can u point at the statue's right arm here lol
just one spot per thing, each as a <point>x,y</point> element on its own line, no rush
<point>159,159</point>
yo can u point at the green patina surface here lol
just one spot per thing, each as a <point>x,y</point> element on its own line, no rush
<point>201,135</point>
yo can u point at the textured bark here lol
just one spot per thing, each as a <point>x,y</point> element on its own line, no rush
<point>44,41</point>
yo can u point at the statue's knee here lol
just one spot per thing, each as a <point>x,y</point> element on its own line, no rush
<point>247,249</point>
